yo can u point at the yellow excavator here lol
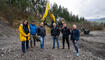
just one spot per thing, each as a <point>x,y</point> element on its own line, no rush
<point>47,11</point>
<point>59,21</point>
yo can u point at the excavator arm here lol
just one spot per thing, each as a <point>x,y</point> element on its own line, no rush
<point>52,16</point>
<point>47,11</point>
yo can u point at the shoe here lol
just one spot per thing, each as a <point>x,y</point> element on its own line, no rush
<point>58,47</point>
<point>31,47</point>
<point>77,54</point>
<point>53,48</point>
<point>24,52</point>
<point>34,45</point>
<point>63,48</point>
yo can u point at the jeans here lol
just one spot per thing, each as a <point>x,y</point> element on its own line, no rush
<point>33,38</point>
<point>67,41</point>
<point>24,45</point>
<point>75,45</point>
<point>41,42</point>
<point>55,38</point>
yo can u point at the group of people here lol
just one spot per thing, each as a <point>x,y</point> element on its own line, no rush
<point>28,33</point>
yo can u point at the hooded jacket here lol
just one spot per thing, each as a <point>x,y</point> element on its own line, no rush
<point>23,34</point>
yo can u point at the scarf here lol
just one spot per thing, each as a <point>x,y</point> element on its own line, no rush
<point>25,27</point>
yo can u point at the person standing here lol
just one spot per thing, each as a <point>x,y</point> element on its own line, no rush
<point>55,34</point>
<point>41,32</point>
<point>65,36</point>
<point>24,35</point>
<point>33,30</point>
<point>75,35</point>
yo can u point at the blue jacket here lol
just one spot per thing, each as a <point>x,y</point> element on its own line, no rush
<point>75,34</point>
<point>33,29</point>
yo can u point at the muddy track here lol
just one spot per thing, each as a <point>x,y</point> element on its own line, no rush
<point>87,52</point>
<point>98,49</point>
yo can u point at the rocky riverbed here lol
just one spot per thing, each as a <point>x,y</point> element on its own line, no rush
<point>91,47</point>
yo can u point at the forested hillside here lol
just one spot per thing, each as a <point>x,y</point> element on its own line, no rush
<point>13,10</point>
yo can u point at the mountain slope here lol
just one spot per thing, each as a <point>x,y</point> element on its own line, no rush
<point>100,20</point>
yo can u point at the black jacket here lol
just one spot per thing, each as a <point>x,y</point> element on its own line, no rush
<point>41,31</point>
<point>65,31</point>
<point>55,31</point>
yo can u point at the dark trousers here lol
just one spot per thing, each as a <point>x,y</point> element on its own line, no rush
<point>67,41</point>
<point>75,45</point>
<point>25,45</point>
<point>33,38</point>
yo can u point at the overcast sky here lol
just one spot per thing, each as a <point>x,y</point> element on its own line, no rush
<point>84,8</point>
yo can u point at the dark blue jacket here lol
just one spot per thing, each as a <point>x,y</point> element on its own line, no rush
<point>33,29</point>
<point>75,34</point>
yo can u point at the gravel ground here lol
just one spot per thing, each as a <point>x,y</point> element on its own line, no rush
<point>91,47</point>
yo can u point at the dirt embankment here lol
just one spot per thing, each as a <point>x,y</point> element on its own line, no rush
<point>8,38</point>
<point>91,47</point>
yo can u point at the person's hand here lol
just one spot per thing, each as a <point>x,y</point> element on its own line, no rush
<point>75,41</point>
<point>70,40</point>
<point>39,36</point>
<point>27,35</point>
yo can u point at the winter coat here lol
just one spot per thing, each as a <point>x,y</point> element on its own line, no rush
<point>75,34</point>
<point>65,32</point>
<point>33,29</point>
<point>55,32</point>
<point>41,31</point>
<point>23,34</point>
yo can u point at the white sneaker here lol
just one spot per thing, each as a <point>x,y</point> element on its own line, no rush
<point>77,54</point>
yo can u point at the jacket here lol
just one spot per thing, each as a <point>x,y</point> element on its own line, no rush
<point>75,34</point>
<point>55,32</point>
<point>23,34</point>
<point>65,32</point>
<point>41,31</point>
<point>33,29</point>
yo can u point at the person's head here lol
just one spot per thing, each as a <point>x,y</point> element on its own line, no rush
<point>54,24</point>
<point>74,26</point>
<point>64,25</point>
<point>25,22</point>
<point>33,22</point>
<point>41,24</point>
